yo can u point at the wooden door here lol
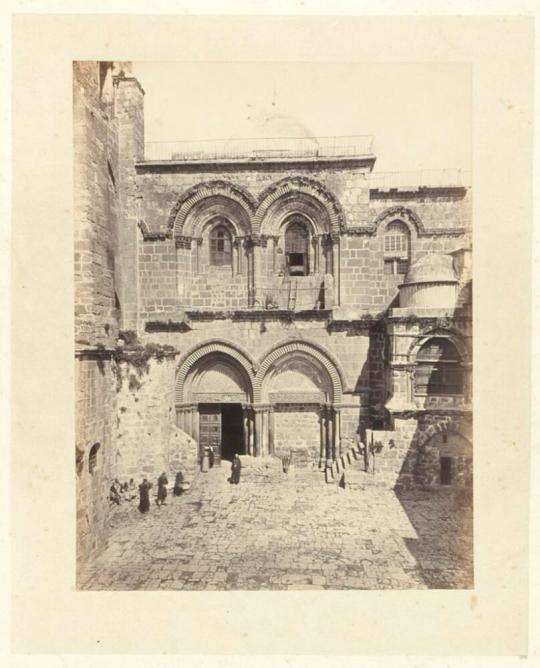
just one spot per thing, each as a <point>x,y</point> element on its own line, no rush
<point>210,429</point>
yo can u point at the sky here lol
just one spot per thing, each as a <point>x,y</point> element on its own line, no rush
<point>419,114</point>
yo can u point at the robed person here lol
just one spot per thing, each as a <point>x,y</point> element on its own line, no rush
<point>162,489</point>
<point>144,496</point>
<point>236,468</point>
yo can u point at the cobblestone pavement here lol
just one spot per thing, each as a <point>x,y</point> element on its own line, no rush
<point>297,534</point>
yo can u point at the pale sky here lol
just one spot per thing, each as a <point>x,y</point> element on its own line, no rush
<point>419,114</point>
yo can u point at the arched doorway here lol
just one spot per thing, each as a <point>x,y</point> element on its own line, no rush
<point>217,393</point>
<point>298,389</point>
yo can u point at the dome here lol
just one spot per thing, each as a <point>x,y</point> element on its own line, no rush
<point>269,131</point>
<point>431,268</point>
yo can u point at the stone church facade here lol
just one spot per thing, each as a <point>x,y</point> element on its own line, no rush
<point>269,298</point>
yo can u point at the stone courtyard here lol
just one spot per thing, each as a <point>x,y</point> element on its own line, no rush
<point>297,533</point>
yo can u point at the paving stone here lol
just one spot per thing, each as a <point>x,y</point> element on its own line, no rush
<point>287,535</point>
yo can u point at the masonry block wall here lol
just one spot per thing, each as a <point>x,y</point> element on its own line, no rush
<point>147,440</point>
<point>96,213</point>
<point>95,449</point>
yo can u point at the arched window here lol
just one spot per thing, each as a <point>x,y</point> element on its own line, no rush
<point>397,248</point>
<point>220,246</point>
<point>297,249</point>
<point>93,458</point>
<point>438,368</point>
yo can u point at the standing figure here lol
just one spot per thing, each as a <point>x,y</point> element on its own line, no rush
<point>204,463</point>
<point>114,494</point>
<point>144,496</point>
<point>162,489</point>
<point>178,484</point>
<point>236,468</point>
<point>210,456</point>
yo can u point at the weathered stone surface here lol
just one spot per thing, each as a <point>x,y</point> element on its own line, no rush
<point>291,535</point>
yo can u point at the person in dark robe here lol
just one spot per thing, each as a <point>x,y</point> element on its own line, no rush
<point>210,456</point>
<point>114,494</point>
<point>144,496</point>
<point>236,468</point>
<point>162,489</point>
<point>178,484</point>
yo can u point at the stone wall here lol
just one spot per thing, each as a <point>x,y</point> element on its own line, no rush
<point>95,393</point>
<point>297,433</point>
<point>147,439</point>
<point>95,208</point>
<point>409,455</point>
<point>96,212</point>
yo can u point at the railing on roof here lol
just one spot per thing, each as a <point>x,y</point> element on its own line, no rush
<point>260,148</point>
<point>430,178</point>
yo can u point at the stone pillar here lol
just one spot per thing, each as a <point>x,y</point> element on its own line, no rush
<point>251,429</point>
<point>335,266</point>
<point>322,422</point>
<point>258,433</point>
<point>198,254</point>
<point>337,432</point>
<point>195,422</point>
<point>264,433</point>
<point>330,436</point>
<point>245,424</point>
<point>180,418</point>
<point>271,427</point>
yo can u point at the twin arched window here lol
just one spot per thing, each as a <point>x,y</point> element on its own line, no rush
<point>397,248</point>
<point>438,370</point>
<point>297,248</point>
<point>220,246</point>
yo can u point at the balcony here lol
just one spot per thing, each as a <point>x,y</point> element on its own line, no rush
<point>413,180</point>
<point>260,149</point>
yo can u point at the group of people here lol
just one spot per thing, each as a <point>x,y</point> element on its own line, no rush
<point>207,463</point>
<point>120,492</point>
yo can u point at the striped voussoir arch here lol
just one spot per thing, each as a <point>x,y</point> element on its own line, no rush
<point>209,348</point>
<point>299,186</point>
<point>289,347</point>
<point>204,191</point>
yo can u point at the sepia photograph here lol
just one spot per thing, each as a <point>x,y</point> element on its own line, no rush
<point>273,326</point>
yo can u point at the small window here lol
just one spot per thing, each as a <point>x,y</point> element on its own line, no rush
<point>446,470</point>
<point>93,458</point>
<point>395,267</point>
<point>397,247</point>
<point>220,246</point>
<point>296,249</point>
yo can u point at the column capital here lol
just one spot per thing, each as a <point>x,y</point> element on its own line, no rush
<point>183,242</point>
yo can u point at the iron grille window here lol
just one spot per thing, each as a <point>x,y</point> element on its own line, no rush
<point>220,246</point>
<point>439,369</point>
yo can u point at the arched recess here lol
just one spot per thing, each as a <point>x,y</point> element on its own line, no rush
<point>395,214</point>
<point>307,196</point>
<point>209,199</point>
<point>455,338</point>
<point>301,349</point>
<point>297,373</point>
<point>223,352</point>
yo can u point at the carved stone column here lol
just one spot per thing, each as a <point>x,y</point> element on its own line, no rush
<point>198,254</point>
<point>271,430</point>
<point>335,266</point>
<point>337,432</point>
<point>322,423</point>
